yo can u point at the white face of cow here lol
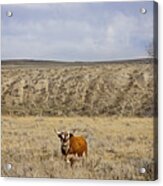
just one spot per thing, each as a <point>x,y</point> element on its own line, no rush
<point>64,137</point>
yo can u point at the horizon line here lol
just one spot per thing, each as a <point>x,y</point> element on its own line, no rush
<point>59,60</point>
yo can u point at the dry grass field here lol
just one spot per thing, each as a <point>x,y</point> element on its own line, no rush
<point>118,147</point>
<point>111,104</point>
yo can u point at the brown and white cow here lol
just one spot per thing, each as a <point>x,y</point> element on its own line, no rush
<point>72,146</point>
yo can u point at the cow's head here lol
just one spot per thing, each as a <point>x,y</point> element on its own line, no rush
<point>65,140</point>
<point>64,136</point>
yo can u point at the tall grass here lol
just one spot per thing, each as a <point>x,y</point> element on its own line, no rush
<point>117,147</point>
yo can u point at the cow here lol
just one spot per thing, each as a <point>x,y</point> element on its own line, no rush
<point>72,146</point>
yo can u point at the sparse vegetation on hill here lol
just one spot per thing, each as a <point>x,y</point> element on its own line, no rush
<point>124,88</point>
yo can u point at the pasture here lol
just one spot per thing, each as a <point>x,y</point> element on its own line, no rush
<point>117,147</point>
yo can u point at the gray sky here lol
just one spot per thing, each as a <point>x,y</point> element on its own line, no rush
<point>77,31</point>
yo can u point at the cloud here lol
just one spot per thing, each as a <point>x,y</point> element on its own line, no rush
<point>82,34</point>
<point>127,36</point>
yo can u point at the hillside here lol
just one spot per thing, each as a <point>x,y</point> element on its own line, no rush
<point>124,88</point>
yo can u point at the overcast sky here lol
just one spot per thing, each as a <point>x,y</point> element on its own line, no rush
<point>77,31</point>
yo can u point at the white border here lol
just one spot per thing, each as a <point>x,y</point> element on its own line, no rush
<point>33,181</point>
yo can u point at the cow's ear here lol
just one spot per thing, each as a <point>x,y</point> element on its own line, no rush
<point>71,134</point>
<point>59,134</point>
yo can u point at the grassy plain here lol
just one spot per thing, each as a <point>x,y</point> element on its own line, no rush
<point>118,147</point>
<point>112,104</point>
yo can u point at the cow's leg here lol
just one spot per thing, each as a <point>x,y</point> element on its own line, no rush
<point>70,159</point>
<point>84,158</point>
